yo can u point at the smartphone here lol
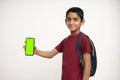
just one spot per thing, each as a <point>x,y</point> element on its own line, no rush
<point>29,50</point>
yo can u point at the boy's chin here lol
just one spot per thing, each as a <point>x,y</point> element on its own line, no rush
<point>72,30</point>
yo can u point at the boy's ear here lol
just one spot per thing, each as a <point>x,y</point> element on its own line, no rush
<point>65,20</point>
<point>83,21</point>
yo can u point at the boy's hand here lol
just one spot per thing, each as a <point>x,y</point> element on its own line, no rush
<point>35,49</point>
<point>24,46</point>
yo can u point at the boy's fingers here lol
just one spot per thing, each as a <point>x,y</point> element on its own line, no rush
<point>24,47</point>
<point>34,47</point>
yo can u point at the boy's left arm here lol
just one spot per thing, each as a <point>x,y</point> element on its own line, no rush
<point>87,68</point>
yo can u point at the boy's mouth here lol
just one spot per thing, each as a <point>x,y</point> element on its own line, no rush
<point>71,26</point>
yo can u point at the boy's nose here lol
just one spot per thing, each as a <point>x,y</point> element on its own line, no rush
<point>71,22</point>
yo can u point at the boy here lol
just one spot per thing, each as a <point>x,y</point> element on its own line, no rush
<point>71,67</point>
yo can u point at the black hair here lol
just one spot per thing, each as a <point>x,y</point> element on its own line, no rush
<point>77,10</point>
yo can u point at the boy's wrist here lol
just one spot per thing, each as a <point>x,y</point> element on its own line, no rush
<point>36,51</point>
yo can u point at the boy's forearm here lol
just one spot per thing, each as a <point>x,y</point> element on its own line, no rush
<point>87,68</point>
<point>46,54</point>
<point>86,73</point>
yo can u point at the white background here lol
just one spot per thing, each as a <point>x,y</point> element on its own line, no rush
<point>44,20</point>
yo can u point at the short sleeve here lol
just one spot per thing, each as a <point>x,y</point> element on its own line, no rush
<point>85,45</point>
<point>59,47</point>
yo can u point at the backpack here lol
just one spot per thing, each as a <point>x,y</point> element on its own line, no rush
<point>93,55</point>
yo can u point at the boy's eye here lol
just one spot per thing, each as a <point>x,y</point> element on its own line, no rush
<point>68,19</point>
<point>75,19</point>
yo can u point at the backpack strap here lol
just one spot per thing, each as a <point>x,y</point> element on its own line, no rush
<point>79,50</point>
<point>93,48</point>
<point>93,55</point>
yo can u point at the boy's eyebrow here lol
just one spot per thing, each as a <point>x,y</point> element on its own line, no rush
<point>68,17</point>
<point>73,18</point>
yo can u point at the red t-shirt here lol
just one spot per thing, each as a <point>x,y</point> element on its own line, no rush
<point>71,67</point>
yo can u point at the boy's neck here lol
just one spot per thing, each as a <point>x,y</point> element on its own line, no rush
<point>75,32</point>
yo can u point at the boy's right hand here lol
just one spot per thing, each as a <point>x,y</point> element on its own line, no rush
<point>35,49</point>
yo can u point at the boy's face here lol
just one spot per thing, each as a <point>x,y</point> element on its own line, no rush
<point>73,22</point>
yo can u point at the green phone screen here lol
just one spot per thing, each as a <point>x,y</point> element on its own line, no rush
<point>29,51</point>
